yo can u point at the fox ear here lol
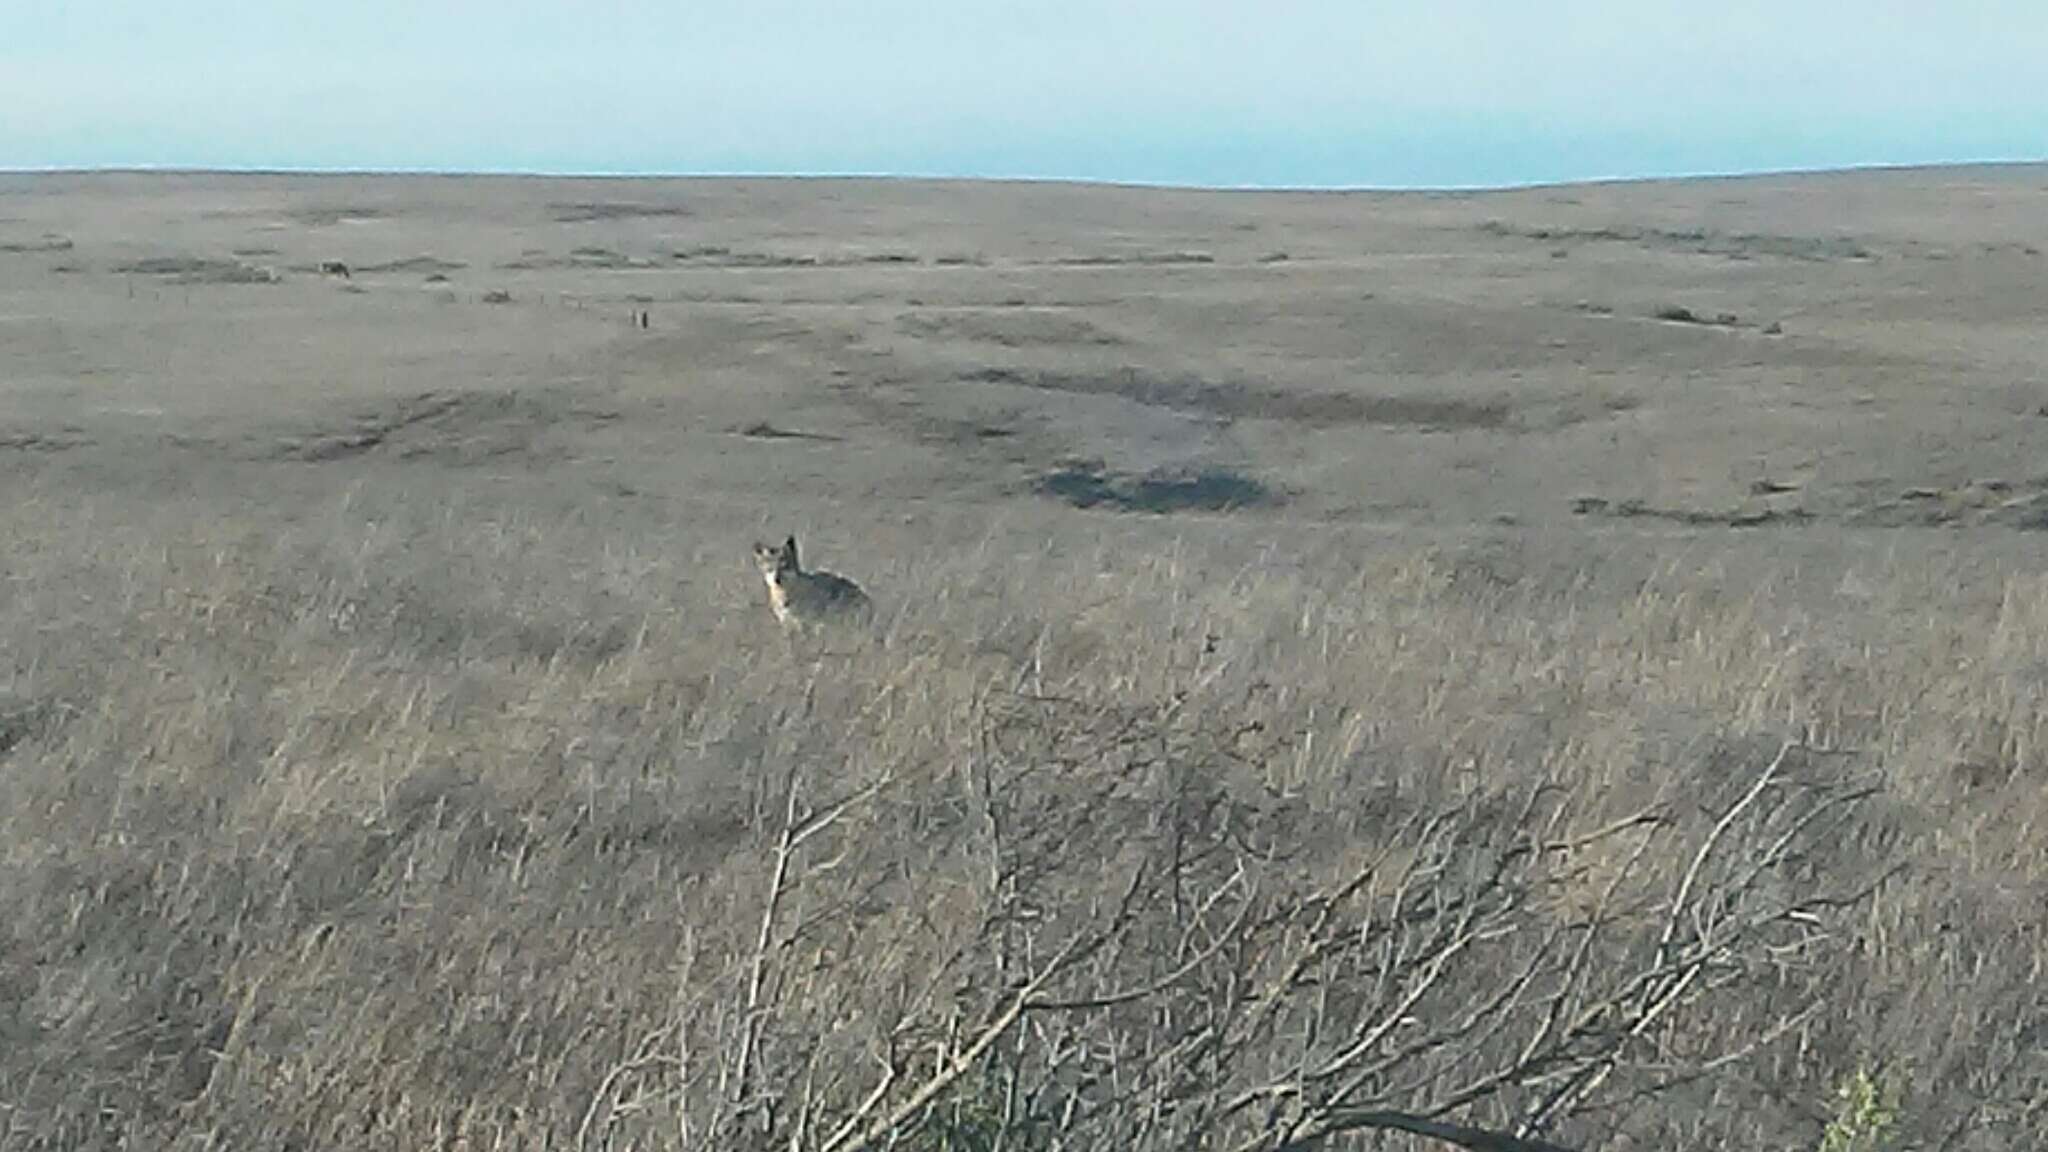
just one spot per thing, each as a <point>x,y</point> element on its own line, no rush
<point>789,548</point>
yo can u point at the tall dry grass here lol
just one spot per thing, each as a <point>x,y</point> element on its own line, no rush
<point>404,827</point>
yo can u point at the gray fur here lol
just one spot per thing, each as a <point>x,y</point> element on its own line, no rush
<point>803,599</point>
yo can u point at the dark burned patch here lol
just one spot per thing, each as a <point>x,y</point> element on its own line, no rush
<point>586,211</point>
<point>1695,517</point>
<point>451,427</point>
<point>1235,401</point>
<point>1090,484</point>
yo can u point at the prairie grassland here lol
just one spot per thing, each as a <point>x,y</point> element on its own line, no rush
<point>441,831</point>
<point>395,749</point>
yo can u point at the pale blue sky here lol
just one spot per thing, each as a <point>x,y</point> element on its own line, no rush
<point>1456,92</point>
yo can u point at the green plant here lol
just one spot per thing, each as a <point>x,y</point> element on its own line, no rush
<point>1866,1114</point>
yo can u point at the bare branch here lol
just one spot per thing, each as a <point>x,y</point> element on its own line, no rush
<point>1463,1136</point>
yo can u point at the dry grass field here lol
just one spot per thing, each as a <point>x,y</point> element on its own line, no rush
<point>1554,668</point>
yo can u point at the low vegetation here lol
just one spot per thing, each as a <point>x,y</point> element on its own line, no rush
<point>409,832</point>
<point>1401,698</point>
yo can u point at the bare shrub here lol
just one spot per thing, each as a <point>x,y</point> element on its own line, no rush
<point>442,826</point>
<point>1143,959</point>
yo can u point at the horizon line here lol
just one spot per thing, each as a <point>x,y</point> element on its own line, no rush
<point>1701,176</point>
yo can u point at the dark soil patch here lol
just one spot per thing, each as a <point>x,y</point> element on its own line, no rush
<point>1638,510</point>
<point>22,719</point>
<point>41,442</point>
<point>44,243</point>
<point>199,270</point>
<point>1116,260</point>
<point>428,264</point>
<point>1674,314</point>
<point>762,430</point>
<point>1089,484</point>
